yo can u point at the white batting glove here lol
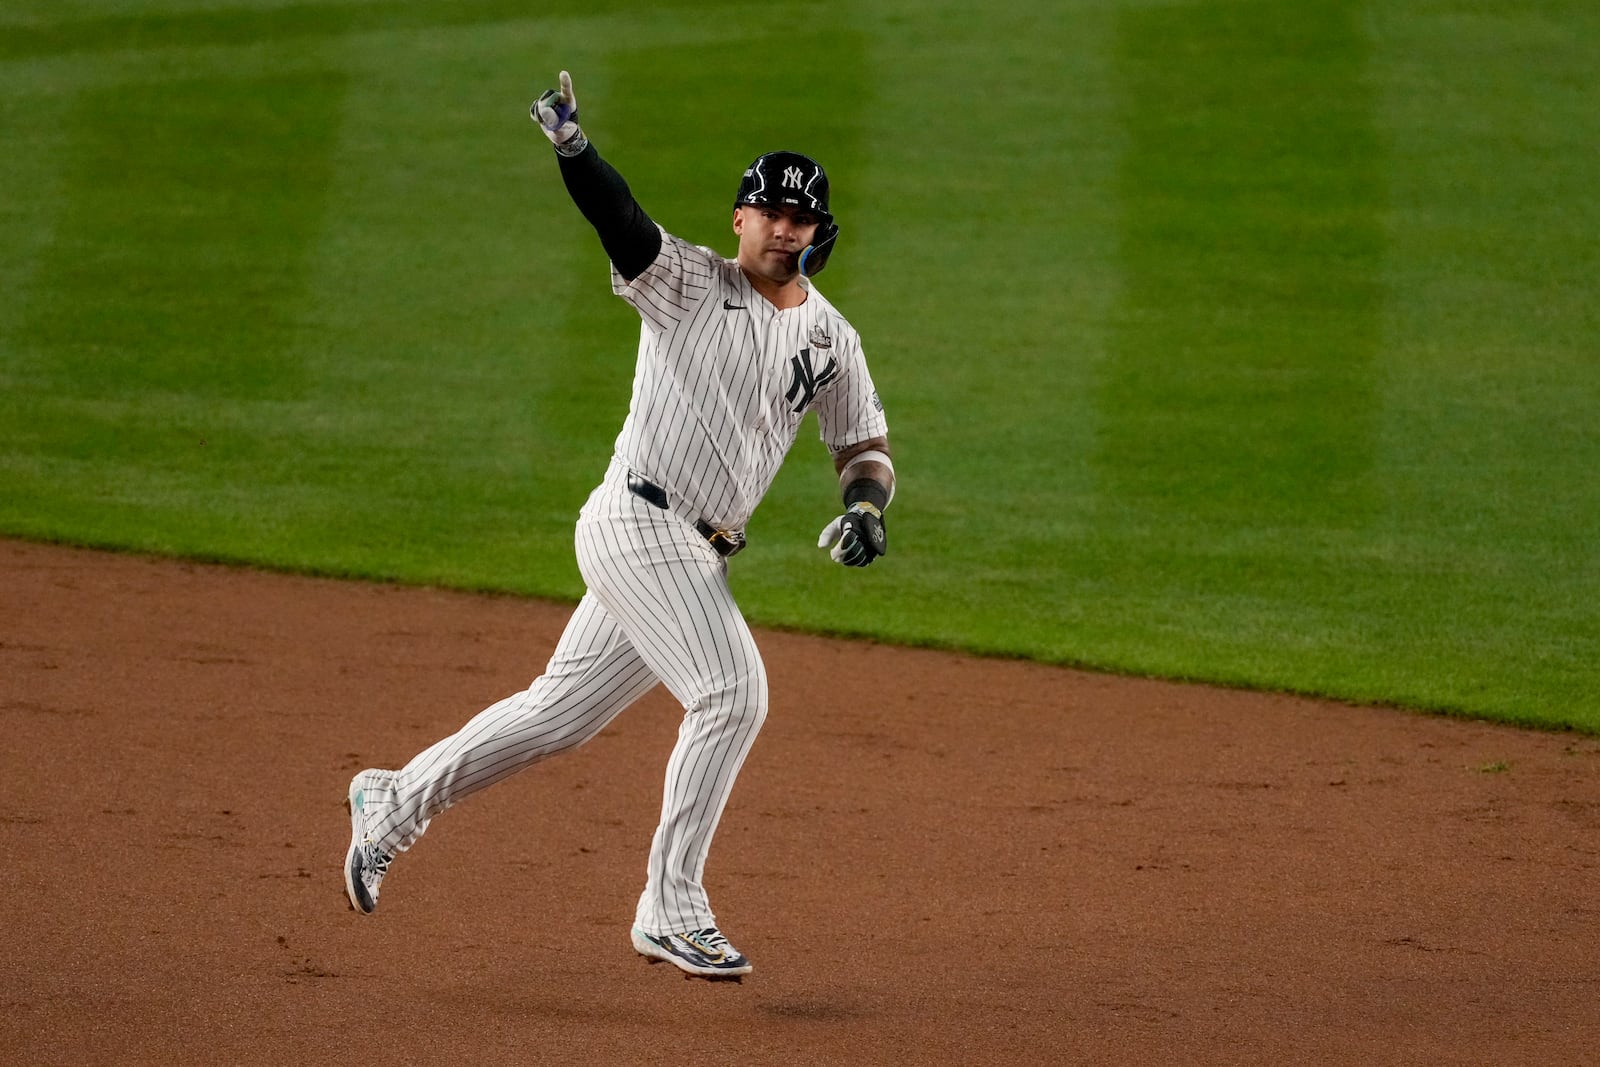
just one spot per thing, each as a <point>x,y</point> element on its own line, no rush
<point>556,112</point>
<point>855,538</point>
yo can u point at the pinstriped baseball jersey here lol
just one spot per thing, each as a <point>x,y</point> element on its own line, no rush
<point>724,380</point>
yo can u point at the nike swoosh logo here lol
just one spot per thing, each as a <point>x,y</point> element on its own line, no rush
<point>729,305</point>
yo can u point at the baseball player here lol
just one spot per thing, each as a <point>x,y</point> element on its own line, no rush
<point>732,355</point>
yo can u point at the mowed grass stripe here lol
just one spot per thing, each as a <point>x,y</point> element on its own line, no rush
<point>1235,403</point>
<point>185,235</point>
<point>182,238</point>
<point>1490,421</point>
<point>1239,390</point>
<point>48,34</point>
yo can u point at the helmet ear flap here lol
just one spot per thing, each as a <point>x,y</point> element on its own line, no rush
<point>816,254</point>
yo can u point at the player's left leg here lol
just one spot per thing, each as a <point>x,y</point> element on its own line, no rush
<point>669,591</point>
<point>716,734</point>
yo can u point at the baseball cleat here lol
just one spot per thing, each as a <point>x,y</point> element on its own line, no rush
<point>700,953</point>
<point>365,864</point>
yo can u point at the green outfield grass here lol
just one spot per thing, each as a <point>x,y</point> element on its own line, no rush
<point>1255,343</point>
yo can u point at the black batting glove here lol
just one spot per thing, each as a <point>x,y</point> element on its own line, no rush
<point>855,538</point>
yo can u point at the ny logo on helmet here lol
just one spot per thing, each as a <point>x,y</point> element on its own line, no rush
<point>793,178</point>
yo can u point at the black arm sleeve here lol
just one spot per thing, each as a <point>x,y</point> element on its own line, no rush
<point>629,236</point>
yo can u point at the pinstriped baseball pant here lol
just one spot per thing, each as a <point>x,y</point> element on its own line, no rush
<point>658,609</point>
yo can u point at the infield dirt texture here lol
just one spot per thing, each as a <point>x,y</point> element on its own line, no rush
<point>990,862</point>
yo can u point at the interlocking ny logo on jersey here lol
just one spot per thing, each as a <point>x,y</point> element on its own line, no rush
<point>807,380</point>
<point>793,178</point>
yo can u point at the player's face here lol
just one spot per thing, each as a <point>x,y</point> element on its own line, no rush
<point>771,238</point>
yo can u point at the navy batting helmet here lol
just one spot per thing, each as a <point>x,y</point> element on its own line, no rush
<point>786,178</point>
<point>791,178</point>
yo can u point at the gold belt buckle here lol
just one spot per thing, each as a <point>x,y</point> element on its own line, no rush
<point>726,542</point>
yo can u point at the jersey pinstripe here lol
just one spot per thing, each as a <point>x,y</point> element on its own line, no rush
<point>724,380</point>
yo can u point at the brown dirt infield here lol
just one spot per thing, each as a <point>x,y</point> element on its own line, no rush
<point>969,862</point>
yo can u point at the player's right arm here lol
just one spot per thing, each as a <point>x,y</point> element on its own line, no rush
<point>630,237</point>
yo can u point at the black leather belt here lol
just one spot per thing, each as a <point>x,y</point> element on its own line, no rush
<point>726,542</point>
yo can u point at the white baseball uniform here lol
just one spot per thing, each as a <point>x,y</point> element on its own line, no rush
<point>723,381</point>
